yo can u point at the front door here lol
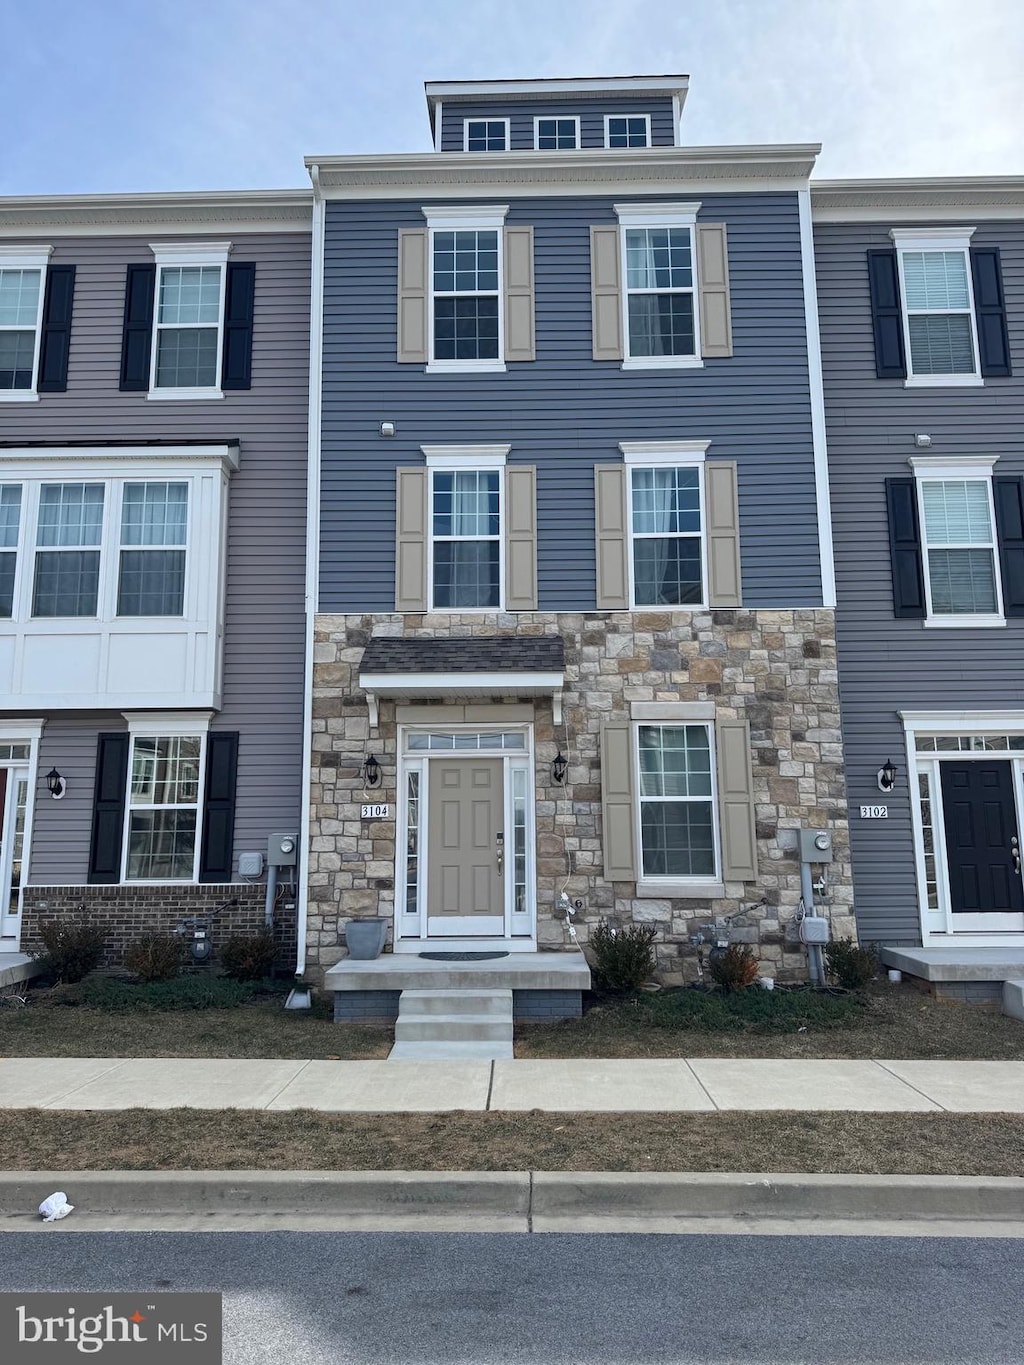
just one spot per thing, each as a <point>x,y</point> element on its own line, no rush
<point>466,848</point>
<point>13,801</point>
<point>982,846</point>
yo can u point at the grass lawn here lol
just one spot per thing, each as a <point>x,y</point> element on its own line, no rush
<point>189,1139</point>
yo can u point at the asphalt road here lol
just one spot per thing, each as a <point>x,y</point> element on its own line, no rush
<point>471,1299</point>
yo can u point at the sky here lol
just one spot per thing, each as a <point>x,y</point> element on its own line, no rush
<point>118,95</point>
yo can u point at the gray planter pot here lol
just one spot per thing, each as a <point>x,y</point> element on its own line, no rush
<point>365,938</point>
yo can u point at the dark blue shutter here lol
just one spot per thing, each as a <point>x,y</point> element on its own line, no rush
<point>137,338</point>
<point>1009,500</point>
<point>108,808</point>
<point>905,548</point>
<point>239,293</point>
<point>55,342</point>
<point>886,318</point>
<point>216,855</point>
<point>990,311</point>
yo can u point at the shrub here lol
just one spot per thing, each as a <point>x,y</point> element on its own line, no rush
<point>850,965</point>
<point>155,957</point>
<point>72,947</point>
<point>734,969</point>
<point>248,957</point>
<point>198,992</point>
<point>623,957</point>
<point>755,1011</point>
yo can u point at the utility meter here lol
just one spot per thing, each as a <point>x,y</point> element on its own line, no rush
<point>282,850</point>
<point>815,846</point>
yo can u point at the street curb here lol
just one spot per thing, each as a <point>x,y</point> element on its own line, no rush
<point>542,1198</point>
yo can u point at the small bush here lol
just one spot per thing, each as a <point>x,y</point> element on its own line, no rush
<point>850,965</point>
<point>198,992</point>
<point>623,957</point>
<point>754,1011</point>
<point>72,947</point>
<point>734,969</point>
<point>155,957</point>
<point>248,957</point>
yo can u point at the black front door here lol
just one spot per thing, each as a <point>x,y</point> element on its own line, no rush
<point>982,841</point>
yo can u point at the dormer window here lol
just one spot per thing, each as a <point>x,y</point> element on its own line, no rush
<point>556,134</point>
<point>627,130</point>
<point>486,134</point>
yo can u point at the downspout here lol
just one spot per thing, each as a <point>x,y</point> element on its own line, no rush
<point>817,385</point>
<point>316,302</point>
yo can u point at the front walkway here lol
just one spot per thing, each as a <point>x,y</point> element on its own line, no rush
<point>663,1085</point>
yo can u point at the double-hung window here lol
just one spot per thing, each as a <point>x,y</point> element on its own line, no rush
<point>486,134</point>
<point>466,547</point>
<point>962,582</point>
<point>661,324</point>
<point>161,841</point>
<point>666,517</point>
<point>466,309</point>
<point>627,130</point>
<point>69,533</point>
<point>677,801</point>
<point>10,533</point>
<point>154,536</point>
<point>189,321</point>
<point>22,279</point>
<point>939,325</point>
<point>556,134</point>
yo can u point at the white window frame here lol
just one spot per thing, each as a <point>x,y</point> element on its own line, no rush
<point>456,460</point>
<point>27,258</point>
<point>557,118</point>
<point>676,886</point>
<point>448,218</point>
<point>166,725</point>
<point>487,151</point>
<point>172,256</point>
<point>674,215</point>
<point>974,469</point>
<point>672,455</point>
<point>936,239</point>
<point>607,132</point>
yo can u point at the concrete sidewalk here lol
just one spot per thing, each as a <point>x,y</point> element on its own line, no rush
<point>677,1085</point>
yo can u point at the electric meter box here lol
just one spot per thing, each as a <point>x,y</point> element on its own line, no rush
<point>815,846</point>
<point>283,850</point>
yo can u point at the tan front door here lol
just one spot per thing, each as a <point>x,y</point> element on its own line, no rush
<point>465,848</point>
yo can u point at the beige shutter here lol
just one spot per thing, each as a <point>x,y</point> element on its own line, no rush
<point>412,296</point>
<point>605,291</point>
<point>519,324</point>
<point>610,536</point>
<point>713,282</point>
<point>723,533</point>
<point>736,801</point>
<point>411,540</point>
<point>618,838</point>
<point>520,538</point>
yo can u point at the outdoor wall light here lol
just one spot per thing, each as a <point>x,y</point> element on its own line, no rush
<point>559,769</point>
<point>887,776</point>
<point>370,772</point>
<point>55,784</point>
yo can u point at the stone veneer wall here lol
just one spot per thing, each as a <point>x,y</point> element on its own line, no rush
<point>776,669</point>
<point>125,913</point>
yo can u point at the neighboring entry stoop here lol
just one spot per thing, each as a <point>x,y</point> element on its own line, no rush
<point>446,1025</point>
<point>1013,999</point>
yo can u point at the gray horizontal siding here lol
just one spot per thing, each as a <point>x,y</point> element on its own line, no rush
<point>591,112</point>
<point>564,412</point>
<point>264,640</point>
<point>887,665</point>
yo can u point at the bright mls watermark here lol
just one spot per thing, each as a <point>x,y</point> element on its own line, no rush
<point>127,1327</point>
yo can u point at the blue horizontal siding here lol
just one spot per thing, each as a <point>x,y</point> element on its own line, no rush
<point>591,112</point>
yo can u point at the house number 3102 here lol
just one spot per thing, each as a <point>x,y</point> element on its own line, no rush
<point>874,812</point>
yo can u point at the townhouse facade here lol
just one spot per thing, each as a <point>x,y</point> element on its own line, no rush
<point>921,291</point>
<point>153,442</point>
<point>574,650</point>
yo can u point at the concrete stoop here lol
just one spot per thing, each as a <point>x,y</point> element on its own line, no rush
<point>447,1025</point>
<point>1013,999</point>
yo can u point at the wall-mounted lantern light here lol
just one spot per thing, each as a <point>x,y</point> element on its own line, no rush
<point>887,776</point>
<point>370,772</point>
<point>55,784</point>
<point>559,769</point>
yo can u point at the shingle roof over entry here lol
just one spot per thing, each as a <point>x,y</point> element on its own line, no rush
<point>486,654</point>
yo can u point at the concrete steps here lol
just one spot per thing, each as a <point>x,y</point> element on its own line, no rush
<point>447,1024</point>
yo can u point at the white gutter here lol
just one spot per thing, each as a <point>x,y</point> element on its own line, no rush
<point>818,439</point>
<point>312,549</point>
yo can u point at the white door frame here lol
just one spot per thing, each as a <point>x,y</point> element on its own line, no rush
<point>411,921</point>
<point>939,925</point>
<point>22,732</point>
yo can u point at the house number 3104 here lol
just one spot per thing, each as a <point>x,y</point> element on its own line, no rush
<point>376,812</point>
<point>874,812</point>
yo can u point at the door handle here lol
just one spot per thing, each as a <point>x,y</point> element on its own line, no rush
<point>1015,850</point>
<point>499,840</point>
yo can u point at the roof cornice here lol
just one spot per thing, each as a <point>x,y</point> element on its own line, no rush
<point>914,199</point>
<point>654,170</point>
<point>219,211</point>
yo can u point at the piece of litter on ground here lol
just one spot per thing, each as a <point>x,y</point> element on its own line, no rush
<point>55,1206</point>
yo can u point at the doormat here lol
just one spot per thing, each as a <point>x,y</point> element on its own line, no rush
<point>462,957</point>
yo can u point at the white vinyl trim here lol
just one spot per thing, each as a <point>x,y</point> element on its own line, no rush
<point>557,118</point>
<point>497,465</point>
<point>663,452</point>
<point>670,215</point>
<point>466,457</point>
<point>937,239</point>
<point>486,118</point>
<point>607,131</point>
<point>197,725</point>
<point>28,729</point>
<point>932,472</point>
<point>675,886</point>
<point>637,462</point>
<point>170,256</point>
<point>28,258</point>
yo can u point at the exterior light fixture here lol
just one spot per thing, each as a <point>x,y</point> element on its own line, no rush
<point>370,772</point>
<point>887,776</point>
<point>559,769</point>
<point>55,784</point>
